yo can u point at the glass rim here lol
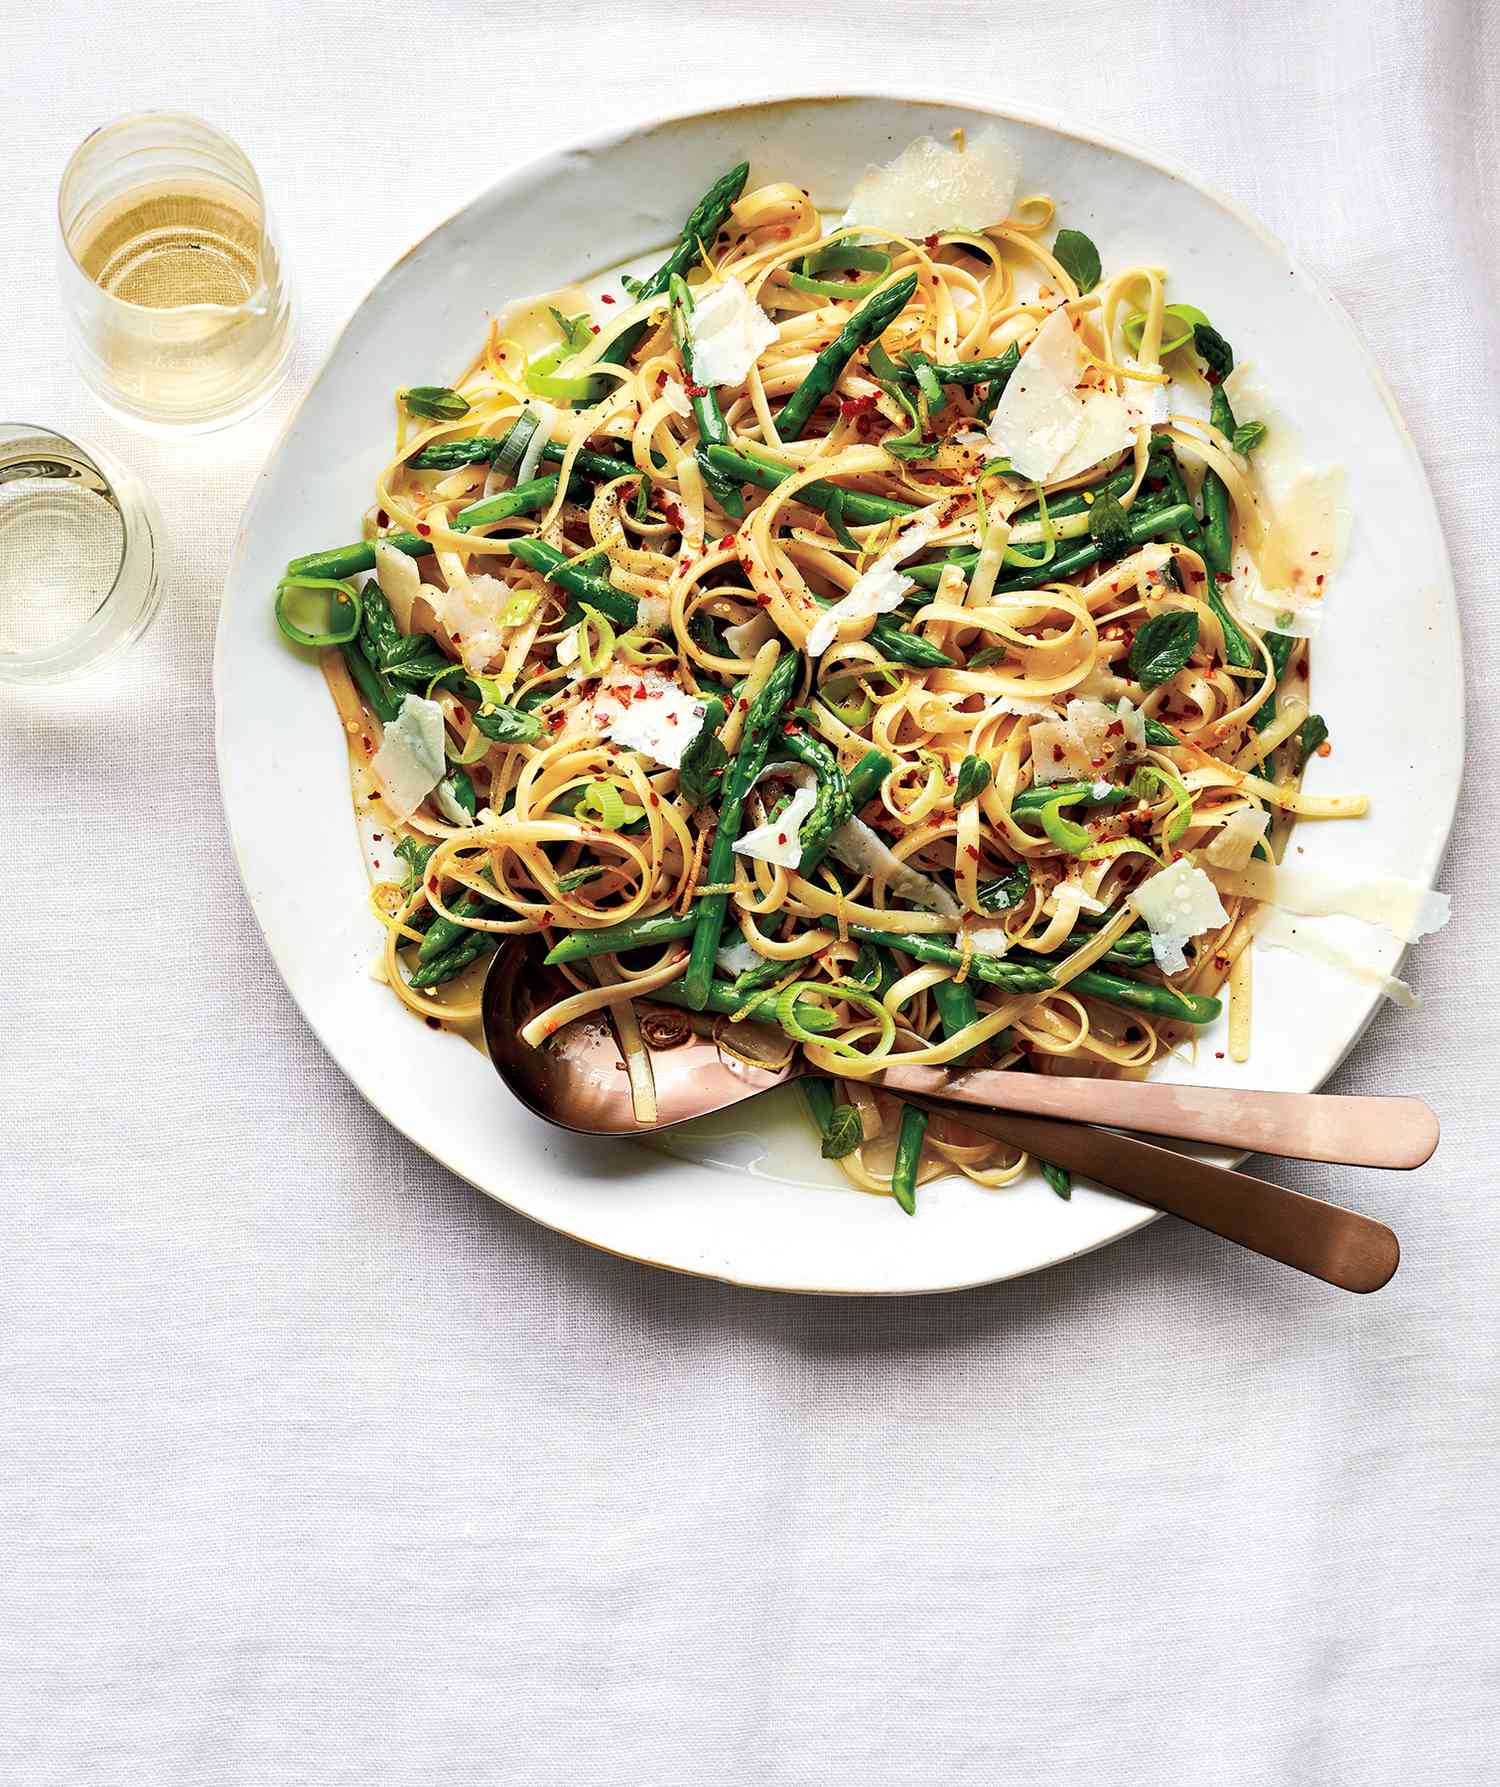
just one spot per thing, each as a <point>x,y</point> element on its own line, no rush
<point>158,116</point>
<point>59,648</point>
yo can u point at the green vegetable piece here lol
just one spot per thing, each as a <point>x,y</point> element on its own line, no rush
<point>1314,732</point>
<point>609,940</point>
<point>507,725</point>
<point>973,779</point>
<point>461,787</point>
<point>1248,436</point>
<point>712,429</point>
<point>1059,1178</point>
<point>867,324</point>
<point>704,760</point>
<point>578,877</point>
<point>844,1132</point>
<point>1063,832</point>
<point>1078,258</point>
<point>435,403</point>
<point>378,694</point>
<point>318,611</point>
<point>735,786</point>
<point>1109,524</point>
<point>1005,891</point>
<point>415,854</point>
<point>1214,349</point>
<point>908,1156</point>
<point>1163,646</point>
<point>957,1008</point>
<point>702,225</point>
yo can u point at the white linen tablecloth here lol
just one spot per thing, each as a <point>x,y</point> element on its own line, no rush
<point>317,1467</point>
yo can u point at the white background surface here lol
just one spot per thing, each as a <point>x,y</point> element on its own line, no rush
<point>315,1467</point>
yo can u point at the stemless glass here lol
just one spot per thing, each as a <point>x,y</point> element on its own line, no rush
<point>178,316</point>
<point>78,555</point>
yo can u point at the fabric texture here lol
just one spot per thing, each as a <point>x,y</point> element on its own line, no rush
<point>317,1467</point>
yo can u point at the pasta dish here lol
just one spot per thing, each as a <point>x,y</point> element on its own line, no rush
<point>879,630</point>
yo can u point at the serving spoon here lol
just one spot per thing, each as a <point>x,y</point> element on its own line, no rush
<point>577,1079</point>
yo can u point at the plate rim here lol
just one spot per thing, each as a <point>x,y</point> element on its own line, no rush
<point>1132,1220</point>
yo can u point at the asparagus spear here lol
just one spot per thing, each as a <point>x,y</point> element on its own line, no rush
<point>454,959</point>
<point>755,744</point>
<point>703,224</point>
<point>582,585</point>
<point>720,997</point>
<point>967,372</point>
<point>908,1155</point>
<point>1149,525</point>
<point>834,802</point>
<point>1237,648</point>
<point>1216,528</point>
<point>1280,647</point>
<point>858,506</point>
<point>957,1008</point>
<point>712,430</point>
<point>998,971</point>
<point>346,561</point>
<point>633,933</point>
<point>870,321</point>
<point>443,456</point>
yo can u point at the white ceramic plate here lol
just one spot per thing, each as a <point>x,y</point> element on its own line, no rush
<point>750,1202</point>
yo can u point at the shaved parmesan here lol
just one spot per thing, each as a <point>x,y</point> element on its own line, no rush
<point>400,581</point>
<point>1405,908</point>
<point>779,841</point>
<point>1132,723</point>
<point>879,590</point>
<point>470,609</point>
<point>410,762</point>
<point>1146,400</point>
<point>1234,843</point>
<point>738,957</point>
<point>1039,417</point>
<point>858,848</point>
<point>1177,904</point>
<point>989,939</point>
<point>930,187</point>
<point>1044,424</point>
<point>652,613</point>
<point>1280,931</point>
<point>729,332</point>
<point>1086,741</point>
<point>648,713</point>
<point>745,639</point>
<point>675,395</point>
<point>1283,588</point>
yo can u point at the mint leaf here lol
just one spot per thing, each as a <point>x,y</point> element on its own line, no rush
<point>844,1133</point>
<point>1109,524</point>
<point>973,779</point>
<point>1163,646</point>
<point>1078,258</point>
<point>1005,890</point>
<point>1248,436</point>
<point>703,765</point>
<point>1314,732</point>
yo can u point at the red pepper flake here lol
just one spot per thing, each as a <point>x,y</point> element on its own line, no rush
<point>696,390</point>
<point>382,519</point>
<point>423,529</point>
<point>782,230</point>
<point>554,721</point>
<point>971,852</point>
<point>781,837</point>
<point>856,406</point>
<point>1218,1054</point>
<point>654,799</point>
<point>432,884</point>
<point>377,837</point>
<point>929,241</point>
<point>593,328</point>
<point>762,600</point>
<point>1325,749</point>
<point>365,741</point>
<point>606,297</point>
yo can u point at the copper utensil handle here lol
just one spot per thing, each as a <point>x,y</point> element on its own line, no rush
<point>1367,1132</point>
<point>1339,1246</point>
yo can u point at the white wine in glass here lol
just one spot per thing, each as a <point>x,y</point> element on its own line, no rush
<point>180,318</point>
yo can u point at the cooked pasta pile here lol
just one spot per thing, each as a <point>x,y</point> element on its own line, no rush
<point>876,631</point>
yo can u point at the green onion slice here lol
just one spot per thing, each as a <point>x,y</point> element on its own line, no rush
<point>841,257</point>
<point>318,610</point>
<point>1182,314</point>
